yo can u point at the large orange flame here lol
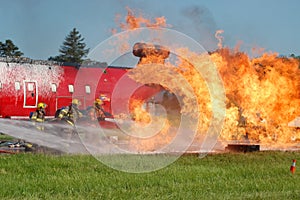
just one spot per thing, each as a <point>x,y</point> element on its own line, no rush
<point>262,96</point>
<point>262,93</point>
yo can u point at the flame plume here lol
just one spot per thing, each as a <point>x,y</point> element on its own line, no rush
<point>262,93</point>
<point>262,96</point>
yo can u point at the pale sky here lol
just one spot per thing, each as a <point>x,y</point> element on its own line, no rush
<point>39,27</point>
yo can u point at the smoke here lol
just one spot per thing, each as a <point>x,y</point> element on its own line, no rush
<point>194,21</point>
<point>201,26</point>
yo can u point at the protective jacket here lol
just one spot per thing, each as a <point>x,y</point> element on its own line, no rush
<point>70,113</point>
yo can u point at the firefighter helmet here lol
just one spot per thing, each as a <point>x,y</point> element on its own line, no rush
<point>76,102</point>
<point>98,101</point>
<point>41,105</point>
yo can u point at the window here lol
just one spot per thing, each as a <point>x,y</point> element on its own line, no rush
<point>53,87</point>
<point>87,89</point>
<point>71,88</point>
<point>17,85</point>
<point>30,87</point>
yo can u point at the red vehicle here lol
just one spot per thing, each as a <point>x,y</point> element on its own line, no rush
<point>24,84</point>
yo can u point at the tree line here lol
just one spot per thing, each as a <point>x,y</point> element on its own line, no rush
<point>73,49</point>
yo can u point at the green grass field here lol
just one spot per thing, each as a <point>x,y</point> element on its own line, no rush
<point>5,137</point>
<point>260,175</point>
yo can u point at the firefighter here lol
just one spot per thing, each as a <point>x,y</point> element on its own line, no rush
<point>71,113</point>
<point>39,115</point>
<point>97,111</point>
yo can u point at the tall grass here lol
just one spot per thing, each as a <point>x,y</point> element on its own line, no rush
<point>261,175</point>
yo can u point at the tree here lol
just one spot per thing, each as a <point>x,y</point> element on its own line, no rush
<point>73,49</point>
<point>9,49</point>
<point>294,56</point>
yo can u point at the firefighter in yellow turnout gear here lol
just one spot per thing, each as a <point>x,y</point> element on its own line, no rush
<point>71,113</point>
<point>97,111</point>
<point>39,116</point>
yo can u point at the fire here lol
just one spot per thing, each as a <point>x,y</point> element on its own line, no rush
<point>262,96</point>
<point>262,93</point>
<point>138,112</point>
<point>157,141</point>
<point>133,22</point>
